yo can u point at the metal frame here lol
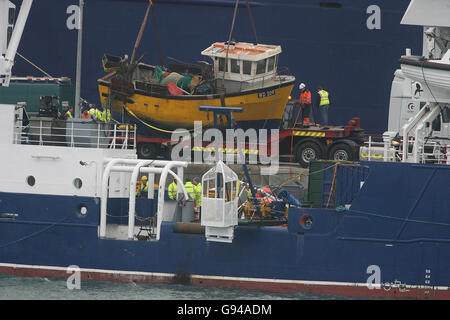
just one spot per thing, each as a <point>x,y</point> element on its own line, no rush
<point>136,166</point>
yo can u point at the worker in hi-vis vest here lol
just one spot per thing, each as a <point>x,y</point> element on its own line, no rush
<point>306,105</point>
<point>324,104</point>
<point>173,190</point>
<point>94,113</point>
<point>197,197</point>
<point>106,115</point>
<point>189,186</point>
<point>143,188</point>
<point>68,113</point>
<point>85,114</point>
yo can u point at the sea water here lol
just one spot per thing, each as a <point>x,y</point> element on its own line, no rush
<point>26,288</point>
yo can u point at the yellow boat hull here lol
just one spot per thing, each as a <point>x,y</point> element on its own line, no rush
<point>263,107</point>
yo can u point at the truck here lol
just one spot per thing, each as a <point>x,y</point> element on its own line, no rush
<point>302,143</point>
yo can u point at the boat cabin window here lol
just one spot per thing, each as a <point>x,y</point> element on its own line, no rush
<point>261,66</point>
<point>270,63</point>
<point>235,66</point>
<point>222,64</point>
<point>247,67</point>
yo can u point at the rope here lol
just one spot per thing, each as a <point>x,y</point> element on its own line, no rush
<point>43,71</point>
<point>332,185</point>
<point>34,233</point>
<point>399,219</point>
<point>149,125</point>
<point>251,20</point>
<point>34,65</point>
<point>292,136</point>
<point>229,39</point>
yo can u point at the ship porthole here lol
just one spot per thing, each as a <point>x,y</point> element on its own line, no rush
<point>306,221</point>
<point>82,211</point>
<point>31,181</point>
<point>78,183</point>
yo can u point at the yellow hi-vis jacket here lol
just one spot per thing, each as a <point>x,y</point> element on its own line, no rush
<point>190,189</point>
<point>324,99</point>
<point>144,186</point>
<point>106,115</point>
<point>198,194</point>
<point>173,191</point>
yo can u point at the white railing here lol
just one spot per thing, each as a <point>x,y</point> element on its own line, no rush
<point>75,133</point>
<point>136,166</point>
<point>429,152</point>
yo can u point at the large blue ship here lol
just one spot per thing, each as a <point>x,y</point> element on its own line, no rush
<point>349,47</point>
<point>377,228</point>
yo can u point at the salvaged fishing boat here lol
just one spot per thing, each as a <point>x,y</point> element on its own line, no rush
<point>241,75</point>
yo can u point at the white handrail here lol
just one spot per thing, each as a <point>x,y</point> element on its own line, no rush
<point>132,201</point>
<point>75,136</point>
<point>418,136</point>
<point>128,165</point>
<point>408,127</point>
<point>103,196</point>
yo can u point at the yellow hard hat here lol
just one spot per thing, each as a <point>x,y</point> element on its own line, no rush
<point>144,178</point>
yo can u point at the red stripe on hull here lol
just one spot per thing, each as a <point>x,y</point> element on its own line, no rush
<point>265,286</point>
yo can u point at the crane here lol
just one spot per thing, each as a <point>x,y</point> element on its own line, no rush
<point>10,35</point>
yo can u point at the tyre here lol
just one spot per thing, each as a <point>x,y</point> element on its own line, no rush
<point>307,152</point>
<point>147,151</point>
<point>342,152</point>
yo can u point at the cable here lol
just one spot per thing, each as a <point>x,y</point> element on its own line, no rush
<point>34,233</point>
<point>332,185</point>
<point>34,65</point>
<point>43,71</point>
<point>251,20</point>
<point>397,218</point>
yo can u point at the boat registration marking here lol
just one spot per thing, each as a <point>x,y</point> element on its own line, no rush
<point>267,93</point>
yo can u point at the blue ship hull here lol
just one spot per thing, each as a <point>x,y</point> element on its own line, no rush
<point>397,231</point>
<point>335,46</point>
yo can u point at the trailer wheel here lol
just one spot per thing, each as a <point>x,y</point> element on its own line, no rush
<point>307,152</point>
<point>147,151</point>
<point>341,152</point>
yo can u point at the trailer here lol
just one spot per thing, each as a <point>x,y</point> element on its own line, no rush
<point>302,144</point>
<point>306,143</point>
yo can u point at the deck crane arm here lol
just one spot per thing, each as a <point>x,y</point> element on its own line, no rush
<point>8,49</point>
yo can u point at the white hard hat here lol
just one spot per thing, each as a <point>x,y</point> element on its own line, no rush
<point>302,85</point>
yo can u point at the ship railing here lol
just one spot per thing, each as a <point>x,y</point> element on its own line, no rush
<point>136,167</point>
<point>390,150</point>
<point>432,152</point>
<point>75,133</point>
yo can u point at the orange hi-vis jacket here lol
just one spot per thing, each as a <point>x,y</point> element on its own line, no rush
<point>305,97</point>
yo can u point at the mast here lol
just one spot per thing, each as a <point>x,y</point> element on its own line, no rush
<point>79,54</point>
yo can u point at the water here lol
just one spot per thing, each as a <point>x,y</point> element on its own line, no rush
<point>23,288</point>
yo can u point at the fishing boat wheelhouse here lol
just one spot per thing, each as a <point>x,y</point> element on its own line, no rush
<point>241,75</point>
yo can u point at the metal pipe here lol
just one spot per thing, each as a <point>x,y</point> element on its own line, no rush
<point>408,127</point>
<point>132,207</point>
<point>132,200</point>
<point>160,163</point>
<point>104,196</point>
<point>111,166</point>
<point>162,187</point>
<point>151,186</point>
<point>434,112</point>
